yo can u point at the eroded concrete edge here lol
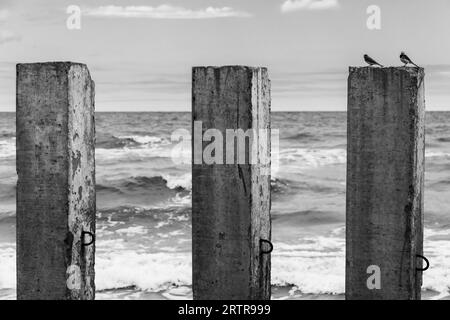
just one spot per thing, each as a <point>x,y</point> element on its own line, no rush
<point>82,201</point>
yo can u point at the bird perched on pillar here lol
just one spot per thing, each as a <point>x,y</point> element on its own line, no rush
<point>406,60</point>
<point>370,61</point>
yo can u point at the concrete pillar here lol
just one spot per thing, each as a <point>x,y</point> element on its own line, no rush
<point>385,177</point>
<point>56,181</point>
<point>231,196</point>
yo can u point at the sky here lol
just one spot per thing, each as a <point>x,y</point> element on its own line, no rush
<point>140,52</point>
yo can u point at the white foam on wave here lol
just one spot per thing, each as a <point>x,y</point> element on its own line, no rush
<point>7,266</point>
<point>436,154</point>
<point>151,146</point>
<point>175,181</point>
<point>185,181</point>
<point>313,158</point>
<point>134,230</point>
<point>437,251</point>
<point>307,158</point>
<point>147,271</point>
<point>131,154</point>
<point>180,201</point>
<point>315,265</point>
<point>152,140</point>
<point>8,148</point>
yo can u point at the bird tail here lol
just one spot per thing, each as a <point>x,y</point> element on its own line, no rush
<point>380,65</point>
<point>415,65</point>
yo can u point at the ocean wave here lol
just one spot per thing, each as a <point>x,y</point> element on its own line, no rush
<point>279,186</point>
<point>108,141</point>
<point>288,187</point>
<point>146,140</point>
<point>130,268</point>
<point>147,184</point>
<point>111,148</point>
<point>8,148</point>
<point>183,182</point>
<point>306,158</point>
<point>321,274</point>
<point>303,136</point>
<point>7,135</point>
<point>138,153</point>
<point>7,265</point>
<point>307,217</point>
<point>111,189</point>
<point>166,215</point>
<point>147,192</point>
<point>134,184</point>
<point>139,148</point>
<point>7,191</point>
<point>104,141</point>
<point>440,185</point>
<point>437,154</point>
<point>315,265</point>
<point>314,158</point>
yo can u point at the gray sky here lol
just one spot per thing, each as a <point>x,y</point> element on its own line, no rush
<point>140,53</point>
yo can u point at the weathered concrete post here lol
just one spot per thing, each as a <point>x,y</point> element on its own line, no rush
<point>56,181</point>
<point>385,177</point>
<point>231,194</point>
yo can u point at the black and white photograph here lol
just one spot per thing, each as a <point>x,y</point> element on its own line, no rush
<point>223,150</point>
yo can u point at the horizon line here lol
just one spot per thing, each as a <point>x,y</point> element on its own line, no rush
<point>276,111</point>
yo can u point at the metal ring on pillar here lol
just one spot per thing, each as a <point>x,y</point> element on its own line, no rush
<point>83,233</point>
<point>261,241</point>
<point>427,262</point>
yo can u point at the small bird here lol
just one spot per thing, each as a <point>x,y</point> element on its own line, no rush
<point>370,61</point>
<point>406,60</point>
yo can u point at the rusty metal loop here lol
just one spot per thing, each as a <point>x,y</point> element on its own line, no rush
<point>261,241</point>
<point>83,233</point>
<point>426,261</point>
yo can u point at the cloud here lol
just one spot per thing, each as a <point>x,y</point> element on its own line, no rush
<point>163,12</point>
<point>295,5</point>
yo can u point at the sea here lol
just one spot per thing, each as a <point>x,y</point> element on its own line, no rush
<point>144,206</point>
